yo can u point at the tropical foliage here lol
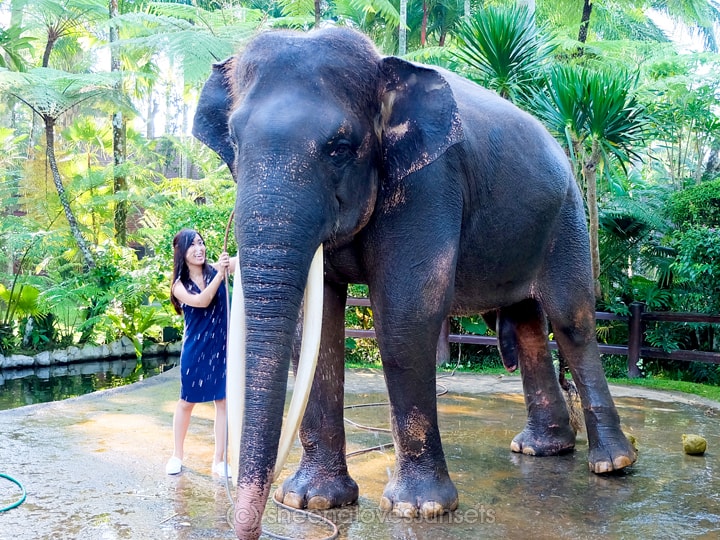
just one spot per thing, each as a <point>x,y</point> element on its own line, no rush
<point>98,171</point>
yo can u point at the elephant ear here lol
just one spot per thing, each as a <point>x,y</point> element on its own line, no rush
<point>210,125</point>
<point>419,117</point>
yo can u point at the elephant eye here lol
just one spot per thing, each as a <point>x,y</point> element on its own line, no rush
<point>341,151</point>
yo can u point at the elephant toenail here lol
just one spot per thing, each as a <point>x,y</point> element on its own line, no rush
<point>319,503</point>
<point>293,499</point>
<point>406,510</point>
<point>386,504</point>
<point>528,450</point>
<point>621,462</point>
<point>431,509</point>
<point>601,467</point>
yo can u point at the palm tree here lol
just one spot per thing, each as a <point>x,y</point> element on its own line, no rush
<point>51,22</point>
<point>93,140</point>
<point>593,112</point>
<point>597,115</point>
<point>682,98</point>
<point>49,94</point>
<point>442,18</point>
<point>627,19</point>
<point>504,49</point>
<point>119,121</point>
<point>379,19</point>
<point>190,37</point>
<point>58,19</point>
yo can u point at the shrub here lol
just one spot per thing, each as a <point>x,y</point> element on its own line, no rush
<point>697,205</point>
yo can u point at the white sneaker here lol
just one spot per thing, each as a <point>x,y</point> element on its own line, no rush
<point>173,466</point>
<point>222,470</point>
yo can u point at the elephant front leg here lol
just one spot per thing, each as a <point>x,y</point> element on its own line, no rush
<point>522,333</point>
<point>322,480</point>
<point>420,485</point>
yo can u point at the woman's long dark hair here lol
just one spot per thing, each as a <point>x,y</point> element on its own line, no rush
<point>181,243</point>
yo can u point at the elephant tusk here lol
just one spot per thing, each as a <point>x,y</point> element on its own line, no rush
<point>235,376</point>
<point>309,350</point>
<point>235,369</point>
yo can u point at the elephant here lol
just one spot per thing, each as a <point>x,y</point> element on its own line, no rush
<point>441,196</point>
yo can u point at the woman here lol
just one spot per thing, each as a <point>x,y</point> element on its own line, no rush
<point>198,292</point>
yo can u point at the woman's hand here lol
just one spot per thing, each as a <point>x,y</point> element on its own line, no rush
<point>223,264</point>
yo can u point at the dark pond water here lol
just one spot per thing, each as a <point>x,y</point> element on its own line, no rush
<point>26,386</point>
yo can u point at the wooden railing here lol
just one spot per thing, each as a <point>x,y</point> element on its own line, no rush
<point>635,349</point>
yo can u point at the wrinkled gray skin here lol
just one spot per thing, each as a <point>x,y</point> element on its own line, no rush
<point>444,199</point>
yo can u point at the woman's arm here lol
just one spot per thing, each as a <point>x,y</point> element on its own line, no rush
<point>201,300</point>
<point>205,297</point>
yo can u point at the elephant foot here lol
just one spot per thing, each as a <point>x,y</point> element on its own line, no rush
<point>317,491</point>
<point>550,441</point>
<point>425,497</point>
<point>610,449</point>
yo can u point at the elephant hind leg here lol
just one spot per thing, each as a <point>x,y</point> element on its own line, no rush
<point>610,450</point>
<point>523,333</point>
<point>574,330</point>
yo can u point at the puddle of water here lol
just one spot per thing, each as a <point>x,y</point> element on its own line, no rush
<point>667,494</point>
<point>124,493</point>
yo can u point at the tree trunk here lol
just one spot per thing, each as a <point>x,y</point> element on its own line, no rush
<point>317,13</point>
<point>402,30</point>
<point>52,38</point>
<point>423,28</point>
<point>88,260</point>
<point>585,22</point>
<point>119,129</point>
<point>712,166</point>
<point>589,173</point>
<point>152,110</point>
<point>119,179</point>
<point>182,155</point>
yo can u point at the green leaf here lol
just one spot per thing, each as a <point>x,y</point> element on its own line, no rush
<point>506,49</point>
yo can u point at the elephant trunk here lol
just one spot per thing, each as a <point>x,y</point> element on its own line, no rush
<point>273,283</point>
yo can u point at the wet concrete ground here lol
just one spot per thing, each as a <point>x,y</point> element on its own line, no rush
<point>93,468</point>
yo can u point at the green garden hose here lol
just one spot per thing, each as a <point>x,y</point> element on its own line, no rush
<point>22,497</point>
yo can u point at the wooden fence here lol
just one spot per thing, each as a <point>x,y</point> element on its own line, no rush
<point>635,349</point>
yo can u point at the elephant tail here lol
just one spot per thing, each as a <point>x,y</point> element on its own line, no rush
<point>572,398</point>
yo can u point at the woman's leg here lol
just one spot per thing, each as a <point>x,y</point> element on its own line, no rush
<point>220,430</point>
<point>181,422</point>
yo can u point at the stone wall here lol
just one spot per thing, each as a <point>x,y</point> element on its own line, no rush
<point>114,351</point>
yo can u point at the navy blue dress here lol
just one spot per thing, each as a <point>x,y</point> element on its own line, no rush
<point>203,354</point>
